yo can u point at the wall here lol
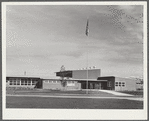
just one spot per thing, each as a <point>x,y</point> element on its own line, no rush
<point>130,84</point>
<point>139,84</point>
<point>51,84</point>
<point>75,86</point>
<point>82,74</point>
<point>19,86</point>
<point>111,80</point>
<point>56,84</point>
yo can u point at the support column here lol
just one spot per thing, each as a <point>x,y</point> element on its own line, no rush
<point>20,81</point>
<point>31,81</point>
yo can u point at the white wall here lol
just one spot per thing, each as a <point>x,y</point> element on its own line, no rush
<point>130,84</point>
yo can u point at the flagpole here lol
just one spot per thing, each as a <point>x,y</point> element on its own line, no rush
<point>87,69</point>
<point>87,31</point>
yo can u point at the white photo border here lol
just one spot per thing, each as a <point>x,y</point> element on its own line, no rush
<point>72,114</point>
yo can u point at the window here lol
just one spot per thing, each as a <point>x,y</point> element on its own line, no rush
<point>29,82</point>
<point>18,83</point>
<point>25,82</point>
<point>120,84</point>
<point>54,81</point>
<point>11,82</point>
<point>116,83</point>
<point>46,81</point>
<point>123,84</point>
<point>109,84</point>
<point>34,82</point>
<point>14,83</point>
<point>22,82</point>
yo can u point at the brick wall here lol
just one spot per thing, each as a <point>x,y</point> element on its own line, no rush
<point>56,84</point>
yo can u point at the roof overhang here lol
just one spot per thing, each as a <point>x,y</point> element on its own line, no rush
<point>92,80</point>
<point>64,73</point>
<point>23,77</point>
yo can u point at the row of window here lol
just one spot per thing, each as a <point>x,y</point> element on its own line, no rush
<point>22,83</point>
<point>47,81</point>
<point>120,84</point>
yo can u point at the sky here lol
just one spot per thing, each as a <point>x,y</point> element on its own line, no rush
<point>42,38</point>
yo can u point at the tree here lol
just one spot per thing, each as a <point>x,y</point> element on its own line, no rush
<point>62,75</point>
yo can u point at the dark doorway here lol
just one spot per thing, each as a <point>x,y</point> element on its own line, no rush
<point>94,85</point>
<point>83,85</point>
<point>103,85</point>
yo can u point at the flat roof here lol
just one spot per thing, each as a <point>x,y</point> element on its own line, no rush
<point>22,77</point>
<point>79,80</point>
<point>78,70</point>
<point>91,80</point>
<point>104,77</point>
<point>87,80</point>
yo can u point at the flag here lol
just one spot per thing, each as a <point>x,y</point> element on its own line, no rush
<point>87,29</point>
<point>24,72</point>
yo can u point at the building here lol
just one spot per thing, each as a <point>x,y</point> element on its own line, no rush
<point>57,84</point>
<point>75,80</point>
<point>24,82</point>
<point>139,84</point>
<point>95,81</point>
<point>117,83</point>
<point>80,74</point>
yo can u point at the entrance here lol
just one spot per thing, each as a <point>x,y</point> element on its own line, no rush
<point>100,85</point>
<point>94,85</point>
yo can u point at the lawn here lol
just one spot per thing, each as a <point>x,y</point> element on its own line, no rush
<point>57,92</point>
<point>135,93</point>
<point>71,103</point>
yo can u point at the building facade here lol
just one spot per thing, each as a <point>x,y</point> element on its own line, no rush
<point>80,74</point>
<point>118,83</point>
<point>95,81</point>
<point>56,84</point>
<point>24,82</point>
<point>76,80</point>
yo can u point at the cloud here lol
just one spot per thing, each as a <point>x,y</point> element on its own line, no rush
<point>42,38</point>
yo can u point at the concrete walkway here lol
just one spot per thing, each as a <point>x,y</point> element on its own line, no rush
<point>115,93</point>
<point>70,96</point>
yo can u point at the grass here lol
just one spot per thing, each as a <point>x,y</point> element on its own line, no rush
<point>135,93</point>
<point>68,103</point>
<point>58,92</point>
<point>71,103</point>
<point>66,92</point>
